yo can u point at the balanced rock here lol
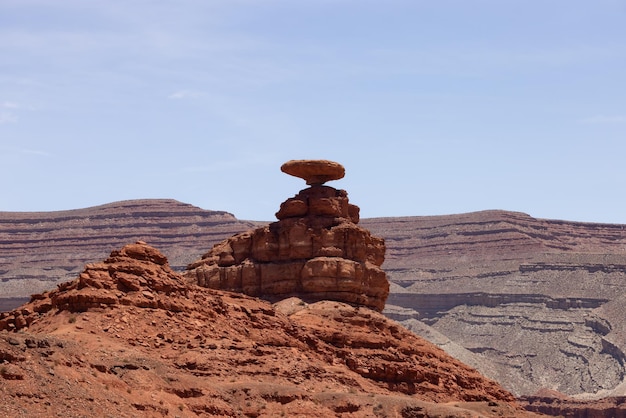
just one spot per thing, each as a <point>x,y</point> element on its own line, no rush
<point>315,251</point>
<point>314,172</point>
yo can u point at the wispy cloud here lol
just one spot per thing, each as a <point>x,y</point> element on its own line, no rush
<point>14,151</point>
<point>9,105</point>
<point>9,111</point>
<point>603,119</point>
<point>185,94</point>
<point>34,152</point>
<point>7,117</point>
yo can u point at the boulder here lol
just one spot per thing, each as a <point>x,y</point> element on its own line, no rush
<point>314,172</point>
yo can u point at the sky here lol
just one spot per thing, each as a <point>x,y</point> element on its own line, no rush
<point>433,107</point>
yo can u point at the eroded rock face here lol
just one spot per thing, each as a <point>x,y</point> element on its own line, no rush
<point>531,298</point>
<point>39,250</point>
<point>137,275</point>
<point>314,171</point>
<point>316,251</point>
<point>130,337</point>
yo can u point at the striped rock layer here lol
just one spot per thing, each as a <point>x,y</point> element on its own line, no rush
<point>315,251</point>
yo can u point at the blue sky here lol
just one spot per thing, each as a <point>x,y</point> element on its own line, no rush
<point>433,107</point>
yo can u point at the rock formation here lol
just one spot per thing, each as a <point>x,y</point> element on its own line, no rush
<point>315,250</point>
<point>137,275</point>
<point>38,250</point>
<point>129,337</point>
<point>314,172</point>
<point>538,302</point>
<point>556,404</point>
<point>470,280</point>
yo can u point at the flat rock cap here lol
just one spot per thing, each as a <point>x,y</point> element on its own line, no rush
<point>314,172</point>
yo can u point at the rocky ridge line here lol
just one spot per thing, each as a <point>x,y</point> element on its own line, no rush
<point>481,278</point>
<point>537,264</point>
<point>40,249</point>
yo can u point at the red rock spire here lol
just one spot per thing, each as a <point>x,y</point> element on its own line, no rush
<point>315,251</point>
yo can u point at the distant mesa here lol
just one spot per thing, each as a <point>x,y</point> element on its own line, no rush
<point>314,172</point>
<point>315,251</point>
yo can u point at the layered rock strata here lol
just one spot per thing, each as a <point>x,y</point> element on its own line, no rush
<point>41,249</point>
<point>316,250</point>
<point>137,275</point>
<point>538,303</point>
<point>555,404</point>
<point>130,337</point>
<point>314,172</point>
<point>474,277</point>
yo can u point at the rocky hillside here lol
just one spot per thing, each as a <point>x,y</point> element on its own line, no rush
<point>130,337</point>
<point>532,303</point>
<point>40,249</point>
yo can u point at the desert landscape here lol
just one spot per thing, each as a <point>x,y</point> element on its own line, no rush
<point>532,304</point>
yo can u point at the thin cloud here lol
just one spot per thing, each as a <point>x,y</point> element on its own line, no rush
<point>603,119</point>
<point>13,151</point>
<point>34,152</point>
<point>7,117</point>
<point>185,94</point>
<point>9,105</point>
<point>9,111</point>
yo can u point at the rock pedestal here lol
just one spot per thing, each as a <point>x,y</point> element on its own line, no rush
<point>315,251</point>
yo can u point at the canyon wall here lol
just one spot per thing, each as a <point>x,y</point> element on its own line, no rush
<point>539,301</point>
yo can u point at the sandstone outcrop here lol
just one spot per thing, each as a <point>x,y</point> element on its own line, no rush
<point>314,172</point>
<point>137,275</point>
<point>473,277</point>
<point>130,337</point>
<point>39,250</point>
<point>316,250</point>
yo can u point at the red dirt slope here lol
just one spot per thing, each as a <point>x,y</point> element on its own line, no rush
<point>130,338</point>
